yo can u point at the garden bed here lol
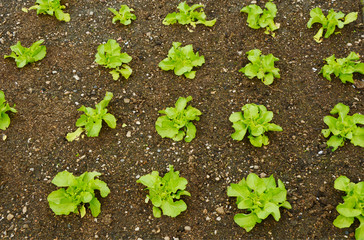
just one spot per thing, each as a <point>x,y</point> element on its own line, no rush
<point>48,93</point>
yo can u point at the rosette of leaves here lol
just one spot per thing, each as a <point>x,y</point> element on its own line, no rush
<point>344,127</point>
<point>125,15</point>
<point>109,56</point>
<point>261,66</point>
<point>91,121</point>
<point>23,55</point>
<point>51,7</point>
<point>353,206</point>
<point>188,15</point>
<point>343,67</point>
<point>164,191</point>
<point>329,23</point>
<point>259,196</point>
<point>80,191</point>
<point>259,18</point>
<point>5,107</point>
<point>182,60</point>
<point>177,122</point>
<point>255,120</point>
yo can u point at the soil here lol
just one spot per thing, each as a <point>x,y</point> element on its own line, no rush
<point>48,93</point>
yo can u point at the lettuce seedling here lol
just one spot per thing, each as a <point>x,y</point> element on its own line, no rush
<point>182,60</point>
<point>353,206</point>
<point>261,197</point>
<point>344,127</point>
<point>109,56</point>
<point>80,191</point>
<point>261,66</point>
<point>255,121</point>
<point>124,15</point>
<point>23,55</point>
<point>343,67</point>
<point>177,124</point>
<point>330,22</point>
<point>51,7</point>
<point>188,15</point>
<point>5,107</point>
<point>163,191</point>
<point>258,18</point>
<point>91,121</point>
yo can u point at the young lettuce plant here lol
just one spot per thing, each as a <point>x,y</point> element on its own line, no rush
<point>188,15</point>
<point>330,22</point>
<point>163,192</point>
<point>80,191</point>
<point>109,56</point>
<point>353,206</point>
<point>23,55</point>
<point>261,197</point>
<point>344,127</point>
<point>91,121</point>
<point>258,18</point>
<point>255,121</point>
<point>261,66</point>
<point>51,7</point>
<point>343,67</point>
<point>5,107</point>
<point>176,123</point>
<point>124,15</point>
<point>182,60</point>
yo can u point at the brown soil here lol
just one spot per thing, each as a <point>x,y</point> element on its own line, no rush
<point>46,95</point>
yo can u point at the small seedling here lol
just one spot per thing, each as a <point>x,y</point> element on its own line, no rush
<point>255,120</point>
<point>261,66</point>
<point>51,7</point>
<point>177,122</point>
<point>343,67</point>
<point>109,56</point>
<point>330,22</point>
<point>163,191</point>
<point>23,55</point>
<point>188,15</point>
<point>258,18</point>
<point>5,107</point>
<point>344,127</point>
<point>124,15</point>
<point>80,191</point>
<point>91,121</point>
<point>261,197</point>
<point>182,60</point>
<point>353,206</point>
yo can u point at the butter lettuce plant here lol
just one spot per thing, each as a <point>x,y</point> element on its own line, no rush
<point>5,107</point>
<point>164,190</point>
<point>51,7</point>
<point>343,67</point>
<point>91,121</point>
<point>23,55</point>
<point>188,15</point>
<point>255,121</point>
<point>259,18</point>
<point>177,122</point>
<point>353,206</point>
<point>125,15</point>
<point>329,23</point>
<point>259,196</point>
<point>344,127</point>
<point>261,66</point>
<point>80,191</point>
<point>182,60</point>
<point>109,56</point>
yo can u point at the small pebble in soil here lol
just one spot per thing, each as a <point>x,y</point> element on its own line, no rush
<point>126,100</point>
<point>220,210</point>
<point>187,228</point>
<point>218,219</point>
<point>167,238</point>
<point>10,217</point>
<point>137,229</point>
<point>128,134</point>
